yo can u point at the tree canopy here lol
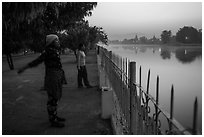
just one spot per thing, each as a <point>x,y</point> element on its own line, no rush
<point>189,35</point>
<point>81,32</point>
<point>25,24</point>
<point>13,13</point>
<point>165,36</point>
<point>37,19</point>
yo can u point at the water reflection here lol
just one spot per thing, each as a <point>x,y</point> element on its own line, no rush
<point>165,54</point>
<point>143,49</point>
<point>136,50</point>
<point>153,50</point>
<point>129,47</point>
<point>187,56</point>
<point>183,55</point>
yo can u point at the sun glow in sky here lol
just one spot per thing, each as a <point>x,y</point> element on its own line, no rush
<point>126,19</point>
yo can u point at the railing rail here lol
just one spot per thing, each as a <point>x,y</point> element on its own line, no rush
<point>135,101</point>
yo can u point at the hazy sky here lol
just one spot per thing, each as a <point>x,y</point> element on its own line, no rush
<point>123,20</point>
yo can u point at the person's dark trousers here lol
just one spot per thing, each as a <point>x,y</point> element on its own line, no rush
<point>82,75</point>
<point>52,112</point>
<point>52,109</point>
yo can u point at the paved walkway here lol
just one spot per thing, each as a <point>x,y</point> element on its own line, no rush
<point>24,104</point>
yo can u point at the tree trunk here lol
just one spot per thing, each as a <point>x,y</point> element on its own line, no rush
<point>10,61</point>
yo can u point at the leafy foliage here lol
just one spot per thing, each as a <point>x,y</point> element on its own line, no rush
<point>189,35</point>
<point>81,32</point>
<point>72,12</point>
<point>37,19</point>
<point>96,34</point>
<point>13,13</point>
<point>165,36</point>
<point>143,39</point>
<point>73,36</point>
<point>25,24</point>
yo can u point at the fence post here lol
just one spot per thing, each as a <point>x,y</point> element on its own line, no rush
<point>126,71</point>
<point>139,109</point>
<point>195,116</point>
<point>148,79</point>
<point>171,108</point>
<point>132,97</point>
<point>146,130</point>
<point>121,79</point>
<point>140,82</point>
<point>157,102</point>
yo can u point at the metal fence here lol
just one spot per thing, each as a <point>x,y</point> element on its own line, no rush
<point>135,102</point>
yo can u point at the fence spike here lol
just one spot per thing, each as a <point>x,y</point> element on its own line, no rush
<point>140,94</point>
<point>172,106</point>
<point>157,102</point>
<point>148,79</point>
<point>195,116</point>
<point>157,91</point>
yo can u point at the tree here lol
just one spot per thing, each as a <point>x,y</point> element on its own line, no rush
<point>13,16</point>
<point>50,17</point>
<point>63,16</point>
<point>13,13</point>
<point>81,32</point>
<point>59,17</point>
<point>36,19</point>
<point>153,40</point>
<point>165,36</point>
<point>143,39</point>
<point>96,34</point>
<point>72,37</point>
<point>72,12</point>
<point>188,35</point>
<point>136,38</point>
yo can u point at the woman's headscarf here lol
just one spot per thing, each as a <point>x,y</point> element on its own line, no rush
<point>50,38</point>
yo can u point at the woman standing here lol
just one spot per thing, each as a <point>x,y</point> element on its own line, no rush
<point>54,77</point>
<point>81,66</point>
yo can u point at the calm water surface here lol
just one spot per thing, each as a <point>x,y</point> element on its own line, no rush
<point>180,66</point>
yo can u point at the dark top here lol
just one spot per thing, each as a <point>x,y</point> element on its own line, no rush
<point>51,58</point>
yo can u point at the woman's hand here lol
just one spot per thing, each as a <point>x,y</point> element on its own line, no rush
<point>21,70</point>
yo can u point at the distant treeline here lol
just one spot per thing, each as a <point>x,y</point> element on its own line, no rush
<point>185,36</point>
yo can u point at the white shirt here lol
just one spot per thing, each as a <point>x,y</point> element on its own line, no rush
<point>81,58</point>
